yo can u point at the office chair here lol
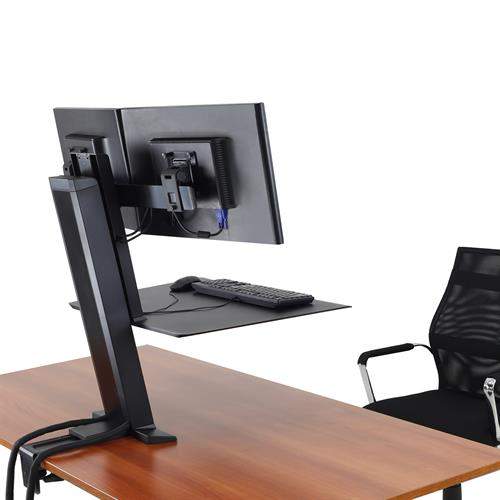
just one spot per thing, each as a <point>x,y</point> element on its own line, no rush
<point>464,339</point>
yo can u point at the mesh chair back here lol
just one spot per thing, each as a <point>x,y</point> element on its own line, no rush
<point>465,331</point>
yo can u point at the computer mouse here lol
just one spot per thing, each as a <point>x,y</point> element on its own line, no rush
<point>184,284</point>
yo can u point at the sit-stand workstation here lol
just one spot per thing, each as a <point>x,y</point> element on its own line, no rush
<point>190,171</point>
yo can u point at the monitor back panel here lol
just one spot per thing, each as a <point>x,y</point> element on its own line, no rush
<point>256,217</point>
<point>100,123</point>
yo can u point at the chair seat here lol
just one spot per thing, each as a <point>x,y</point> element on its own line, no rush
<point>444,410</point>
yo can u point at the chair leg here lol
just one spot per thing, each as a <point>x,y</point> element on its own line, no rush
<point>453,493</point>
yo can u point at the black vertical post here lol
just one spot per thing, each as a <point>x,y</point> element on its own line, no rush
<point>89,159</point>
<point>92,256</point>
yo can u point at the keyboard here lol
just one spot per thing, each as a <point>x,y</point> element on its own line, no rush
<point>252,294</point>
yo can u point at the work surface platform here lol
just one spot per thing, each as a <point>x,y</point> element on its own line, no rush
<point>240,437</point>
<point>230,315</point>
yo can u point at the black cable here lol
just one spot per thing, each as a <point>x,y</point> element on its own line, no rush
<point>11,467</point>
<point>164,310</point>
<point>199,234</point>
<point>145,228</point>
<point>134,237</point>
<point>142,226</point>
<point>43,455</point>
<point>194,309</point>
<point>141,223</point>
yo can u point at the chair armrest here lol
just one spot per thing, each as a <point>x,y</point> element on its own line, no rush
<point>489,392</point>
<point>363,359</point>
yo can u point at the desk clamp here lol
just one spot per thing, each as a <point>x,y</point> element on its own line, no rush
<point>28,453</point>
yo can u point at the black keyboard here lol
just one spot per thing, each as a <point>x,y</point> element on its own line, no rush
<point>252,294</point>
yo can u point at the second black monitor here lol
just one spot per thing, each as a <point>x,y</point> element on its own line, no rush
<point>153,134</point>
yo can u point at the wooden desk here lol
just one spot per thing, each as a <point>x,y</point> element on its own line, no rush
<point>240,437</point>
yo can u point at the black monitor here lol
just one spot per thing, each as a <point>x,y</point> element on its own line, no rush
<point>190,171</point>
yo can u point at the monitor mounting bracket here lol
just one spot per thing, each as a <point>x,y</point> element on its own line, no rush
<point>178,181</point>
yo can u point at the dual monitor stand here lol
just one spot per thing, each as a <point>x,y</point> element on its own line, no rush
<point>88,208</point>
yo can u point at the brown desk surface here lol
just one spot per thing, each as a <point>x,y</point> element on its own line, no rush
<point>240,437</point>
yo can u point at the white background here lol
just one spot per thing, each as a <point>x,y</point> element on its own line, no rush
<point>384,126</point>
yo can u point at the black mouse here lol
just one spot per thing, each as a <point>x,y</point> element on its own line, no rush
<point>184,284</point>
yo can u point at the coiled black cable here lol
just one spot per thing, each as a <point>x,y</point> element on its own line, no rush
<point>11,467</point>
<point>43,455</point>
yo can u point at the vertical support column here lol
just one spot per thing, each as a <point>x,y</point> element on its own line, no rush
<point>99,287</point>
<point>89,160</point>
